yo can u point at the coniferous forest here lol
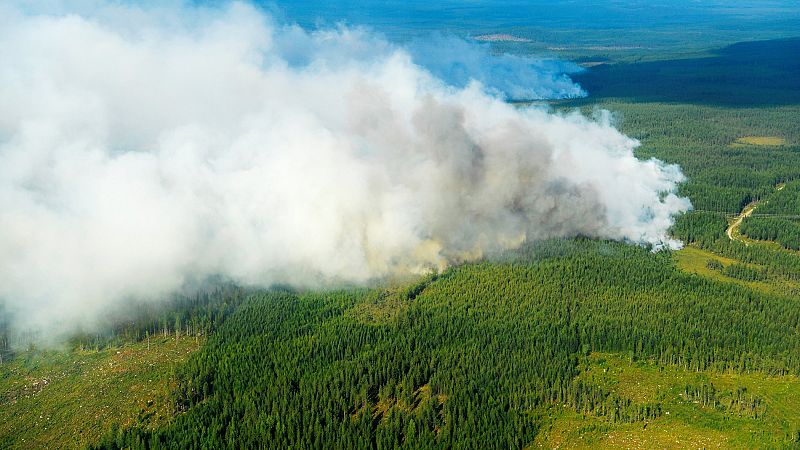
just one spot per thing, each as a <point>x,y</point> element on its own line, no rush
<point>560,343</point>
<point>471,358</point>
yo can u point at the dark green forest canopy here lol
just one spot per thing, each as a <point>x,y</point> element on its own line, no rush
<point>467,361</point>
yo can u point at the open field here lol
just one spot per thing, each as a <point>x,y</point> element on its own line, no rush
<point>686,422</point>
<point>695,260</point>
<point>53,399</point>
<point>759,140</point>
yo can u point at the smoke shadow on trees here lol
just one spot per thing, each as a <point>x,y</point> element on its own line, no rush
<point>745,74</point>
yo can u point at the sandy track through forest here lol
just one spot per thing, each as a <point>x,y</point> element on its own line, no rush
<point>738,221</point>
<point>746,212</point>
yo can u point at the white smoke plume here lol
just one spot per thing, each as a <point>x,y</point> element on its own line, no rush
<point>144,147</point>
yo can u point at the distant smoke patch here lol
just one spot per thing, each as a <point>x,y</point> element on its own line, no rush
<point>459,62</point>
<point>144,148</point>
<point>500,37</point>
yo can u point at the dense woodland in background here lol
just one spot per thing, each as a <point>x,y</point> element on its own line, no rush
<point>469,357</point>
<point>465,357</point>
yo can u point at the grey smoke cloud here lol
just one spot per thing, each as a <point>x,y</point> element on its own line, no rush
<point>144,147</point>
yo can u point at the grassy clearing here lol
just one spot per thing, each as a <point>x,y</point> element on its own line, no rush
<point>685,423</point>
<point>695,260</point>
<point>574,430</point>
<point>52,399</point>
<point>759,141</point>
<point>383,308</point>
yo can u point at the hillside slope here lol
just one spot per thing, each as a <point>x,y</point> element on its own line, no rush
<point>487,355</point>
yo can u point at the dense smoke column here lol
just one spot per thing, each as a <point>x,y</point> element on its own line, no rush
<point>141,149</point>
